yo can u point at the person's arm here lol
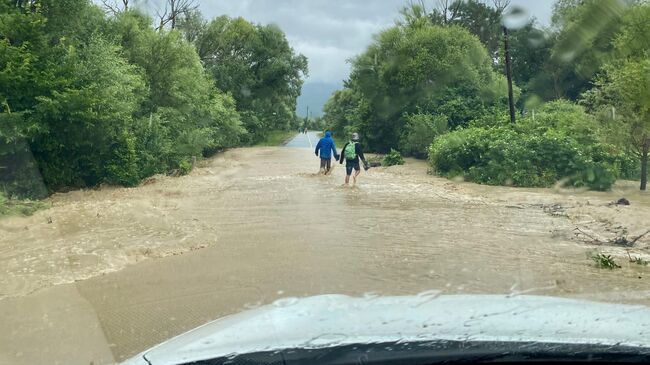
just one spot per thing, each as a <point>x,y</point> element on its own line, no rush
<point>317,147</point>
<point>360,152</point>
<point>343,153</point>
<point>336,155</point>
<point>366,166</point>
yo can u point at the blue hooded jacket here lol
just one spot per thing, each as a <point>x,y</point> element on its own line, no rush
<point>326,146</point>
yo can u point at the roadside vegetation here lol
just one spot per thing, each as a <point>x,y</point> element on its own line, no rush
<point>94,95</point>
<point>276,138</point>
<point>22,207</point>
<point>604,261</point>
<point>433,86</point>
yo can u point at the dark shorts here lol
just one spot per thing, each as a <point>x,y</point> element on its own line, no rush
<point>351,164</point>
<point>326,163</point>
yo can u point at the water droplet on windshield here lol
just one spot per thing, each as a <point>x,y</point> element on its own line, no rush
<point>515,18</point>
<point>568,56</point>
<point>536,40</point>
<point>285,302</point>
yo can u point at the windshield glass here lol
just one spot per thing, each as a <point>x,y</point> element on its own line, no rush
<point>166,163</point>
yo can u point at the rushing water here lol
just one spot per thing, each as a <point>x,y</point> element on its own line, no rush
<point>256,225</point>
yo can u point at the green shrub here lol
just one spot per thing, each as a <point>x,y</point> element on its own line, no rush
<point>504,156</point>
<point>419,131</point>
<point>122,169</point>
<point>18,207</point>
<point>604,261</point>
<point>565,117</point>
<point>393,158</point>
<point>185,167</point>
<point>630,169</point>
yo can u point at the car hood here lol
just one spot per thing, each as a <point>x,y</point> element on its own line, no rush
<point>336,320</point>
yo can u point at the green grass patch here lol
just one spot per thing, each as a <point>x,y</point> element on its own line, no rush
<point>276,138</point>
<point>392,158</point>
<point>13,207</point>
<point>604,261</point>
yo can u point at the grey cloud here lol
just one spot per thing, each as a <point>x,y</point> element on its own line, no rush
<point>329,32</point>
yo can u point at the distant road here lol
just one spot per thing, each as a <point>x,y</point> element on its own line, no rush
<point>308,140</point>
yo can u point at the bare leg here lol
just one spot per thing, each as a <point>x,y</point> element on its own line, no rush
<point>356,174</point>
<point>347,179</point>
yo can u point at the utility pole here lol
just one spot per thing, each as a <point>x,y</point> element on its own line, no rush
<point>511,101</point>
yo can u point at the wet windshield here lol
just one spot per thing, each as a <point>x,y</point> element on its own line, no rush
<point>166,163</point>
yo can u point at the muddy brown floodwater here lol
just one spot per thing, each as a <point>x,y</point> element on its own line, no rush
<point>118,270</point>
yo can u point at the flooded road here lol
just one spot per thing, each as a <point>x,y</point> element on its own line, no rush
<point>305,140</point>
<point>123,269</point>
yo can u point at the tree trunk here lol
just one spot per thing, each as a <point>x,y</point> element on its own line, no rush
<point>644,166</point>
<point>511,99</point>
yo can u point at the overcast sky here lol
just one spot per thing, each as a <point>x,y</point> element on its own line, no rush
<point>329,32</point>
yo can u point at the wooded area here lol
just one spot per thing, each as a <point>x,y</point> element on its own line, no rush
<point>94,95</point>
<point>434,85</point>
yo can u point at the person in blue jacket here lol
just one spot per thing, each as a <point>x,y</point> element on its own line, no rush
<point>325,149</point>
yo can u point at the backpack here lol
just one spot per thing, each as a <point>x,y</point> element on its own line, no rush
<point>350,151</point>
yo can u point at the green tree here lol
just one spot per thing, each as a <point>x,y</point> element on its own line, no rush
<point>624,88</point>
<point>429,69</point>
<point>256,65</point>
<point>480,19</point>
<point>190,115</point>
<point>101,99</point>
<point>630,82</point>
<point>419,131</point>
<point>530,50</point>
<point>343,112</point>
<point>89,120</point>
<point>583,43</point>
<point>33,48</point>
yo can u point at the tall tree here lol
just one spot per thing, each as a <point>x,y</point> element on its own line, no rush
<point>629,81</point>
<point>625,85</point>
<point>117,6</point>
<point>583,43</point>
<point>425,69</point>
<point>256,64</point>
<point>173,10</point>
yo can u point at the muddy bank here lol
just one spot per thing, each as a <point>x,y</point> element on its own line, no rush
<point>257,224</point>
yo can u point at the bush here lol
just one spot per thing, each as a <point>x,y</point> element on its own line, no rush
<point>18,207</point>
<point>184,167</point>
<point>123,169</point>
<point>565,117</point>
<point>393,158</point>
<point>630,169</point>
<point>419,131</point>
<point>504,156</point>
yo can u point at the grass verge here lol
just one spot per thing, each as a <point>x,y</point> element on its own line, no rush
<point>276,138</point>
<point>10,207</point>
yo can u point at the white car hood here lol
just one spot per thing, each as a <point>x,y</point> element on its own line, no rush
<point>332,320</point>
